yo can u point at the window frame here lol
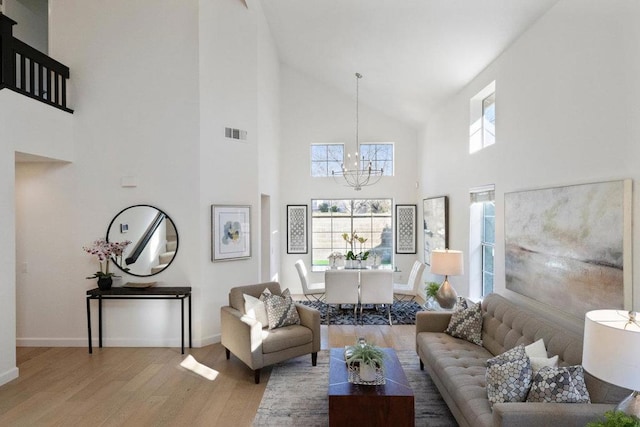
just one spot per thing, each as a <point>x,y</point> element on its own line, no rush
<point>478,242</point>
<point>376,162</point>
<point>326,161</point>
<point>340,245</point>
<point>479,126</point>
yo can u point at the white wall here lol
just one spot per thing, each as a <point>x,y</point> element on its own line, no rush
<point>313,112</point>
<point>52,138</point>
<point>567,112</point>
<point>32,21</point>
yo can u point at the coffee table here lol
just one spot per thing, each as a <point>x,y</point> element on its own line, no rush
<point>372,405</point>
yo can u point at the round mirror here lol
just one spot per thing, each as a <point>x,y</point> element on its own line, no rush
<point>153,237</point>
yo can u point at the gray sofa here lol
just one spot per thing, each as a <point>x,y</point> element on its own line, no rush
<point>458,367</point>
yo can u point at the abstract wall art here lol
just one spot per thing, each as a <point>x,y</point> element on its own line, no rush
<point>570,247</point>
<point>231,232</point>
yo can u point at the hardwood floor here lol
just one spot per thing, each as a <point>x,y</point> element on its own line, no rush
<point>147,387</point>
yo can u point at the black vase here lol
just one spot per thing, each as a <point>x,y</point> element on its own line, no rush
<point>104,283</point>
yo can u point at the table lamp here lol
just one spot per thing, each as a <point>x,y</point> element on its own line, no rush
<point>447,263</point>
<point>611,352</point>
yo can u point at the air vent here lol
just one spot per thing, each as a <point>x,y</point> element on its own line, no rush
<point>238,134</point>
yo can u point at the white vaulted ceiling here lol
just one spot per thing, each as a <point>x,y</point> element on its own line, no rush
<point>413,53</point>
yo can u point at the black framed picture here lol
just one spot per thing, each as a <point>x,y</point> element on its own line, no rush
<point>297,229</point>
<point>406,236</point>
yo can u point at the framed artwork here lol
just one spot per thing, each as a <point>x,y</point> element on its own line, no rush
<point>297,229</point>
<point>570,247</point>
<point>406,237</point>
<point>435,220</point>
<point>230,232</point>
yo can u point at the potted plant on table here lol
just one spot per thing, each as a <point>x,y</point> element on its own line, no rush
<point>104,251</point>
<point>431,290</point>
<point>367,357</point>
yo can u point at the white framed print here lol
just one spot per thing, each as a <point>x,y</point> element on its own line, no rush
<point>297,229</point>
<point>406,237</point>
<point>230,232</point>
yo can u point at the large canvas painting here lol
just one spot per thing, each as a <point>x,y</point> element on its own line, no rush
<point>569,247</point>
<point>435,225</point>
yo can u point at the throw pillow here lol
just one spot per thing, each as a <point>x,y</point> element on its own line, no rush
<point>508,376</point>
<point>281,310</point>
<point>255,308</point>
<point>467,324</point>
<point>561,385</point>
<point>537,353</point>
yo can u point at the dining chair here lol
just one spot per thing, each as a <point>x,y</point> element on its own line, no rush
<point>410,289</point>
<point>315,290</point>
<point>341,287</point>
<point>376,287</point>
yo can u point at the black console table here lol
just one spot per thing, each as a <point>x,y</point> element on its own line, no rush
<point>160,292</point>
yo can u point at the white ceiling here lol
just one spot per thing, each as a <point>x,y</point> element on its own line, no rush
<point>412,53</point>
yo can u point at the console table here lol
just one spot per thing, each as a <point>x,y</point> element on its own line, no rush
<point>153,293</point>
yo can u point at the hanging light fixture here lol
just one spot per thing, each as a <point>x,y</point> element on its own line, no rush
<point>357,172</point>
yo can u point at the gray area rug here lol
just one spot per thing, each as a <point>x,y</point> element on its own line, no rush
<point>402,313</point>
<point>296,394</point>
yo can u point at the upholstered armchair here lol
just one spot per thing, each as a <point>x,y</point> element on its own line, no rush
<point>254,343</point>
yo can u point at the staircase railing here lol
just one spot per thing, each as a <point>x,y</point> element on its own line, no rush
<point>144,240</point>
<point>30,72</point>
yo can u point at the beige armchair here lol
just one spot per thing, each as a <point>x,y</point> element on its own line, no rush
<point>256,345</point>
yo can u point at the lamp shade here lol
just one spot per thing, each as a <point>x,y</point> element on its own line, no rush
<point>611,350</point>
<point>447,262</point>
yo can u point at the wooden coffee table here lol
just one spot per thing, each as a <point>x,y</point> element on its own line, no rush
<point>351,405</point>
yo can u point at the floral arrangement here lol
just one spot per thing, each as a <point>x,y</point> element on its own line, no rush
<point>104,251</point>
<point>351,241</point>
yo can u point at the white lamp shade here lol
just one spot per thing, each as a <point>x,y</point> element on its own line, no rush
<point>611,350</point>
<point>447,262</point>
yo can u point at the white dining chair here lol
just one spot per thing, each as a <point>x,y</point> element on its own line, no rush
<point>409,290</point>
<point>341,287</point>
<point>315,290</point>
<point>376,287</point>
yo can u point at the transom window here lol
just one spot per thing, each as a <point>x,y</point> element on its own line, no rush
<point>369,218</point>
<point>329,157</point>
<point>326,158</point>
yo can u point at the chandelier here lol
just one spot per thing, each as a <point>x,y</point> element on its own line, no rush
<point>357,172</point>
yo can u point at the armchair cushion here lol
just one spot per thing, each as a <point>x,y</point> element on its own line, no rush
<point>256,309</point>
<point>281,311</point>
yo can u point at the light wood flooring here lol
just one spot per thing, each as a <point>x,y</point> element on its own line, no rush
<point>147,387</point>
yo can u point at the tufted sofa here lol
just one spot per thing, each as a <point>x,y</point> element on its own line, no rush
<point>458,367</point>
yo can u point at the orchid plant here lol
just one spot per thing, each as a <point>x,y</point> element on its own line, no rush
<point>104,251</point>
<point>351,241</point>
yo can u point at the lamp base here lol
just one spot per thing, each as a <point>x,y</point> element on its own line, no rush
<point>630,405</point>
<point>446,295</point>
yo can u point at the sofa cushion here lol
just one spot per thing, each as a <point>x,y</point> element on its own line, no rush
<point>509,376</point>
<point>274,340</point>
<point>281,311</point>
<point>561,385</point>
<point>460,367</point>
<point>466,323</point>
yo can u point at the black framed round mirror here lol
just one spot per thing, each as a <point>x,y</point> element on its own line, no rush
<point>153,236</point>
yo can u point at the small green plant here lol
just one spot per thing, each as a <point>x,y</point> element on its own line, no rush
<point>616,419</point>
<point>432,289</point>
<point>365,353</point>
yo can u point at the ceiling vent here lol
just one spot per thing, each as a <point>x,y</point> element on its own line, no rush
<point>238,134</point>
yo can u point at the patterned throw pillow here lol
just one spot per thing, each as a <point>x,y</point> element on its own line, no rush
<point>509,376</point>
<point>467,324</point>
<point>281,311</point>
<point>561,385</point>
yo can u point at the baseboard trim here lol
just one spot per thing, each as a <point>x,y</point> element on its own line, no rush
<point>9,375</point>
<point>114,342</point>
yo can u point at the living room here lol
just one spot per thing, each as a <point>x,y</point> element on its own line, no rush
<point>153,84</point>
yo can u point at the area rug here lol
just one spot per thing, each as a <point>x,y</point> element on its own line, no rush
<point>402,313</point>
<point>296,394</point>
